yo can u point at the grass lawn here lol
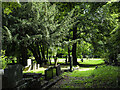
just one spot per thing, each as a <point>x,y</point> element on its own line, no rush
<point>102,77</point>
<point>85,61</point>
<point>91,62</point>
<point>40,70</point>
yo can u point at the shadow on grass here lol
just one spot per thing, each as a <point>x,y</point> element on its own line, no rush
<point>89,65</point>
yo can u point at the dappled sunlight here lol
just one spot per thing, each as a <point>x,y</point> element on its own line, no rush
<point>85,69</point>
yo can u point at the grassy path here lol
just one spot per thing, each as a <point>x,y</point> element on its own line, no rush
<point>103,77</point>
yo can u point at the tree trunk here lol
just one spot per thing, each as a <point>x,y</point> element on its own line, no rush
<point>24,56</point>
<point>68,54</point>
<point>43,52</point>
<point>74,46</point>
<point>47,53</point>
<point>39,55</point>
<point>36,54</point>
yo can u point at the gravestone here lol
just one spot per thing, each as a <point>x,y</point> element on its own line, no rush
<point>54,71</point>
<point>32,64</point>
<point>49,73</point>
<point>29,62</point>
<point>58,70</point>
<point>35,66</point>
<point>38,66</point>
<point>12,75</point>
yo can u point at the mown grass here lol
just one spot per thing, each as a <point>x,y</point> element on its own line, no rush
<point>85,61</point>
<point>92,62</point>
<point>102,77</point>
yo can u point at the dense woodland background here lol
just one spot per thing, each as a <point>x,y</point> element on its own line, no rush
<point>80,29</point>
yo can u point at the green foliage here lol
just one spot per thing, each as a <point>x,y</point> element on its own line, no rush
<point>5,60</point>
<point>35,26</point>
<point>45,25</point>
<point>118,57</point>
<point>8,7</point>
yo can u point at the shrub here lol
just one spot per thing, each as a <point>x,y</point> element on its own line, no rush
<point>118,57</point>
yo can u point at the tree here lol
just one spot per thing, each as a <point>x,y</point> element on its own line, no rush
<point>37,27</point>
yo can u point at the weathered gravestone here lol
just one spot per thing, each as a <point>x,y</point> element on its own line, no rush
<point>38,66</point>
<point>52,72</point>
<point>32,64</point>
<point>12,75</point>
<point>49,73</point>
<point>28,67</point>
<point>29,62</point>
<point>58,70</point>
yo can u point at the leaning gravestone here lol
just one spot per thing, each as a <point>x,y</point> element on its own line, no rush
<point>12,75</point>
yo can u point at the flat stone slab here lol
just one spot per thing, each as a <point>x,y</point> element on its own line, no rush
<point>27,75</point>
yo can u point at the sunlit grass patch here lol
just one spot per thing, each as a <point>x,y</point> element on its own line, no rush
<point>92,62</point>
<point>102,77</point>
<point>78,73</point>
<point>41,70</point>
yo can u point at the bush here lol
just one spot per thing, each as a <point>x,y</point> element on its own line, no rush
<point>118,57</point>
